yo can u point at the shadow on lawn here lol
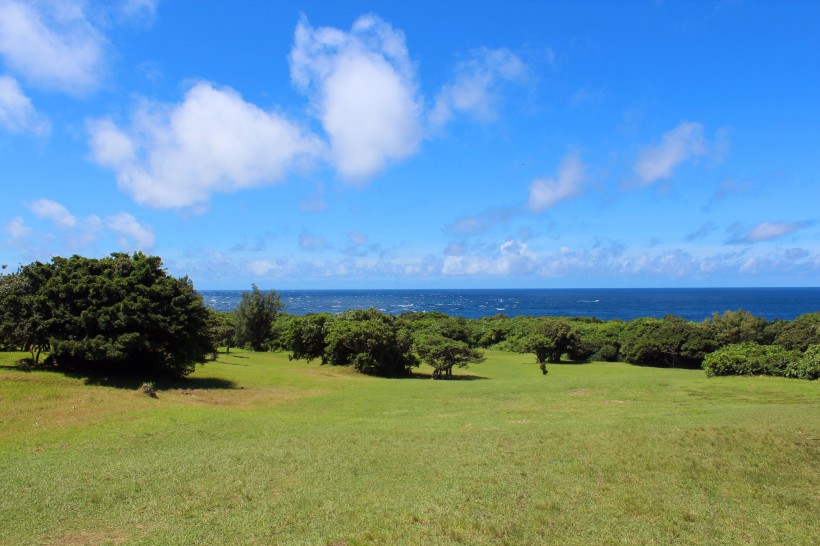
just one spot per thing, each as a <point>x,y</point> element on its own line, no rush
<point>419,375</point>
<point>160,383</point>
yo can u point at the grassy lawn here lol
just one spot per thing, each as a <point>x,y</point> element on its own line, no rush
<point>255,449</point>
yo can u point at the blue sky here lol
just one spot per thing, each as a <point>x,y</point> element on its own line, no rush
<point>416,144</point>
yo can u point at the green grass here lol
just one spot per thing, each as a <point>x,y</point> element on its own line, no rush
<point>255,449</point>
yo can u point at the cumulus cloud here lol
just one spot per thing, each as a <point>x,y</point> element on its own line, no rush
<point>657,162</point>
<point>362,87</point>
<point>133,235</point>
<point>546,193</point>
<point>764,231</point>
<point>52,45</point>
<point>511,258</point>
<point>76,234</point>
<point>16,229</point>
<point>475,88</point>
<point>176,156</point>
<point>17,114</point>
<point>57,213</point>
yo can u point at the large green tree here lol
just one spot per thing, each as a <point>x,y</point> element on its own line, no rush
<point>254,317</point>
<point>119,313</point>
<point>371,342</point>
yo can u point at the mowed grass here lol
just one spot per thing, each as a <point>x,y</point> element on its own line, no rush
<point>256,449</point>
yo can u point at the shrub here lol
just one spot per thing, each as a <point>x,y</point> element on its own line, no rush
<point>751,359</point>
<point>372,342</point>
<point>800,333</point>
<point>671,341</point>
<point>807,366</point>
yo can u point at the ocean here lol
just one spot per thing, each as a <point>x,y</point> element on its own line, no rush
<point>693,304</point>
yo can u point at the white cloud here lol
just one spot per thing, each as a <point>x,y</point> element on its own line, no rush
<point>677,145</point>
<point>133,235</point>
<point>17,229</point>
<point>17,114</point>
<point>52,45</point>
<point>475,89</point>
<point>176,156</point>
<point>548,192</point>
<point>140,10</point>
<point>57,213</point>
<point>362,86</point>
<point>765,231</point>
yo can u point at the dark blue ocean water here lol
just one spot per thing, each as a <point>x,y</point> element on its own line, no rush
<point>693,304</point>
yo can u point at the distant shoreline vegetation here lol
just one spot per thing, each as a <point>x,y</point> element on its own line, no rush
<point>125,314</point>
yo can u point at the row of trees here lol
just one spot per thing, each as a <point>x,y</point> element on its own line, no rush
<point>370,341</point>
<point>125,313</point>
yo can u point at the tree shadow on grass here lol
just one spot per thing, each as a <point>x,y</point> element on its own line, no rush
<point>131,382</point>
<point>428,376</point>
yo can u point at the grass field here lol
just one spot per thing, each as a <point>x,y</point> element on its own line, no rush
<point>255,449</point>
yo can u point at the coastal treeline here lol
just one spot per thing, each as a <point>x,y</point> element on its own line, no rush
<point>124,313</point>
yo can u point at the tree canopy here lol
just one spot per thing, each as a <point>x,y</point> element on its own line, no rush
<point>119,313</point>
<point>254,317</point>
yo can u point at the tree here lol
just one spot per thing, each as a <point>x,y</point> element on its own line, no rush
<point>550,340</point>
<point>371,342</point>
<point>736,327</point>
<point>222,329</point>
<point>305,338</point>
<point>254,317</point>
<point>443,353</point>
<point>671,341</point>
<point>119,313</point>
<point>800,333</point>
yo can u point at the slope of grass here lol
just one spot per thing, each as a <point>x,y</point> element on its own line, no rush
<point>255,449</point>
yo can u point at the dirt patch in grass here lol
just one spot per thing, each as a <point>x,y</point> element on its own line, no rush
<point>236,398</point>
<point>78,538</point>
<point>579,392</point>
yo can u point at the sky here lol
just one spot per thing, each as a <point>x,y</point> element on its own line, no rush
<point>514,144</point>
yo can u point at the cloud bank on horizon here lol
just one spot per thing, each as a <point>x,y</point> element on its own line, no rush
<point>389,149</point>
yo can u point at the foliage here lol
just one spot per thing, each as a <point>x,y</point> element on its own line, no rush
<point>807,366</point>
<point>305,337</point>
<point>749,358</point>
<point>598,340</point>
<point>736,327</point>
<point>255,315</point>
<point>371,342</point>
<point>443,353</point>
<point>490,331</point>
<point>800,333</point>
<point>222,329</point>
<point>120,313</point>
<point>278,338</point>
<point>671,341</point>
<point>551,339</point>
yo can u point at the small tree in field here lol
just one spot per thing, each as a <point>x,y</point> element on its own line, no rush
<point>254,316</point>
<point>443,353</point>
<point>551,339</point>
